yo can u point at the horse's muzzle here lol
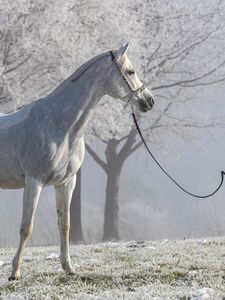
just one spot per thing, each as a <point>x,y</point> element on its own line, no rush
<point>146,105</point>
<point>151,102</point>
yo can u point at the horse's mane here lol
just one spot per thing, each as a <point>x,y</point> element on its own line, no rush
<point>85,66</point>
<point>79,71</point>
<point>72,77</point>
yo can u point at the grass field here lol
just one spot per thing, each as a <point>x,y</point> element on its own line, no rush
<point>128,270</point>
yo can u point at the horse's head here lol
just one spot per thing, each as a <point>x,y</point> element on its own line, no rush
<point>124,83</point>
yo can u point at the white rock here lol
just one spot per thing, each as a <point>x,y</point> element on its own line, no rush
<point>204,242</point>
<point>192,273</point>
<point>27,258</point>
<point>52,256</point>
<point>164,241</point>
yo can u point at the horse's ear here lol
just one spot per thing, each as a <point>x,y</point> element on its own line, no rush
<point>122,50</point>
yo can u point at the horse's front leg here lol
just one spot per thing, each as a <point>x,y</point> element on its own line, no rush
<point>63,200</point>
<point>31,195</point>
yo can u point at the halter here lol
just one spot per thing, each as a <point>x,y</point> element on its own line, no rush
<point>132,91</point>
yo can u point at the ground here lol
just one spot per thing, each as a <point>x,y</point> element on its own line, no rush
<point>127,270</point>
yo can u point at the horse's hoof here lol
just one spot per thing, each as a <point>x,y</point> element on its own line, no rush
<point>67,267</point>
<point>70,272</point>
<point>14,278</point>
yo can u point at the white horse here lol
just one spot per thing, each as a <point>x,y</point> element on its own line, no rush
<point>42,144</point>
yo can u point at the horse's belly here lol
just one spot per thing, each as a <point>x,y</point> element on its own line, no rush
<point>10,179</point>
<point>11,175</point>
<point>51,171</point>
<point>11,183</point>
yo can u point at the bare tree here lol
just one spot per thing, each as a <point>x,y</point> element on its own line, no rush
<point>175,38</point>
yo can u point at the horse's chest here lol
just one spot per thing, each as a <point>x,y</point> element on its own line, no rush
<point>59,164</point>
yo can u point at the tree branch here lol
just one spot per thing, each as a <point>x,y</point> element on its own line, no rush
<point>127,146</point>
<point>204,83</point>
<point>94,133</point>
<point>190,125</point>
<point>19,64</point>
<point>157,120</point>
<point>96,158</point>
<point>187,81</point>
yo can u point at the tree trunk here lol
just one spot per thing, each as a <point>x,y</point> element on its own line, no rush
<point>76,235</point>
<point>111,227</point>
<point>113,170</point>
<point>115,159</point>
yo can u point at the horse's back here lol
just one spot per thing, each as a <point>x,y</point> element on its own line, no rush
<point>11,134</point>
<point>12,119</point>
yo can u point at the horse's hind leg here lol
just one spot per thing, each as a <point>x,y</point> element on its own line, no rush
<point>63,199</point>
<point>31,195</point>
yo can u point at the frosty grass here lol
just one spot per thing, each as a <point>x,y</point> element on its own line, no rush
<point>190,269</point>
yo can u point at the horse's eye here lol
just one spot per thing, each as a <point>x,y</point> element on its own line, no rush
<point>130,72</point>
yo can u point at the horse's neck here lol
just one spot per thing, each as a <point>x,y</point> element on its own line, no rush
<point>72,105</point>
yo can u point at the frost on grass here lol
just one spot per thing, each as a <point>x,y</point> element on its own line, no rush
<point>131,270</point>
<point>1,263</point>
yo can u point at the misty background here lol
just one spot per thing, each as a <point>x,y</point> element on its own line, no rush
<point>44,42</point>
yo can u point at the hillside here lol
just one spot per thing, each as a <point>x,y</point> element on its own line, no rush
<point>126,270</point>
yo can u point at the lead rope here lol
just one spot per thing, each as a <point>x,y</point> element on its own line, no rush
<point>166,173</point>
